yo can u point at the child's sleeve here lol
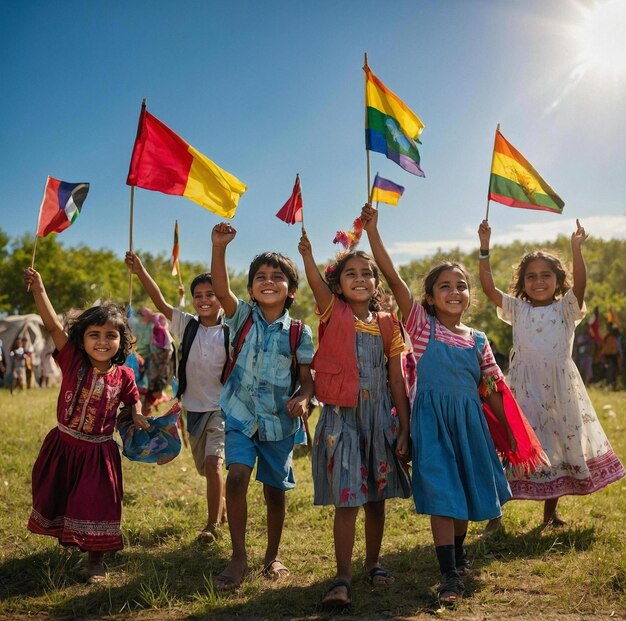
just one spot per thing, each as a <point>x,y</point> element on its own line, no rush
<point>398,346</point>
<point>416,321</point>
<point>239,316</point>
<point>506,312</point>
<point>572,312</point>
<point>490,372</point>
<point>305,350</point>
<point>129,395</point>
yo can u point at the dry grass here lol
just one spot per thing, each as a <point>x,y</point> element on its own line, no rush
<point>522,572</point>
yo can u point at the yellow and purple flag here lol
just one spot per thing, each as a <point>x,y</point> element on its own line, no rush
<point>385,191</point>
<point>514,181</point>
<point>390,126</point>
<point>164,162</point>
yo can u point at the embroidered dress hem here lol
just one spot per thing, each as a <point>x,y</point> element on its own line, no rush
<point>603,471</point>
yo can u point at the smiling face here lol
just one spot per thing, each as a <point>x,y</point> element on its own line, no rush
<point>357,282</point>
<point>450,294</point>
<point>101,343</point>
<point>540,282</point>
<point>270,287</point>
<point>206,304</point>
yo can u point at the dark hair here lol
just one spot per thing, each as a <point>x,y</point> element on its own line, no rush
<point>98,316</point>
<point>199,279</point>
<point>431,278</point>
<point>278,261</point>
<point>563,284</point>
<point>333,272</point>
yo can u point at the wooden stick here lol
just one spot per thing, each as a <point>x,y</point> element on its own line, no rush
<point>366,149</point>
<point>130,243</point>
<point>493,155</point>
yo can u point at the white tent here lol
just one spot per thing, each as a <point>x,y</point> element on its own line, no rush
<point>30,326</point>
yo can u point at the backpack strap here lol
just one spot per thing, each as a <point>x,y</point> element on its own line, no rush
<point>191,329</point>
<point>386,326</point>
<point>237,342</point>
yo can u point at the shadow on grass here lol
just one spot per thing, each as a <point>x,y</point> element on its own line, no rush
<point>146,578</point>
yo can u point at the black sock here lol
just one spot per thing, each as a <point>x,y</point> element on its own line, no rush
<point>445,556</point>
<point>460,555</point>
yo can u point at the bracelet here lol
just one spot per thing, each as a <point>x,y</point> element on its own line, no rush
<point>483,254</point>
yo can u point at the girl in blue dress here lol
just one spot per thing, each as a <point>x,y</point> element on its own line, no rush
<point>457,475</point>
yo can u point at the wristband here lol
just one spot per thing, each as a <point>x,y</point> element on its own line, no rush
<point>483,254</point>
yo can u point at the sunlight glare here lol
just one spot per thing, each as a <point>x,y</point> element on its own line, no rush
<point>602,37</point>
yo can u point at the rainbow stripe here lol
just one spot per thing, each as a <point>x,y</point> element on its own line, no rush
<point>385,191</point>
<point>514,181</point>
<point>164,162</point>
<point>390,126</point>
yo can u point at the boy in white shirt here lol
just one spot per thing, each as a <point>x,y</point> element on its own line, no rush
<point>200,370</point>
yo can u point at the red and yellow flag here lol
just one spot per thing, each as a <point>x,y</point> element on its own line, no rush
<point>164,162</point>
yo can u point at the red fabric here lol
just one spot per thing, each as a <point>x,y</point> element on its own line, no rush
<point>291,211</point>
<point>161,159</point>
<point>335,363</point>
<point>529,455</point>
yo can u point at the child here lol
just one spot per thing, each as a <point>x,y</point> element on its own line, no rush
<point>18,356</point>
<point>258,400</point>
<point>77,477</point>
<point>544,309</point>
<point>358,442</point>
<point>457,474</point>
<point>199,382</point>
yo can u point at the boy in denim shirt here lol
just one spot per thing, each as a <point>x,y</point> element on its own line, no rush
<point>262,416</point>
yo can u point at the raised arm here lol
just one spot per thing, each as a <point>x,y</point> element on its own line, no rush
<point>579,270</point>
<point>150,287</point>
<point>321,291</point>
<point>46,311</point>
<point>484,267</point>
<point>400,290</point>
<point>222,234</point>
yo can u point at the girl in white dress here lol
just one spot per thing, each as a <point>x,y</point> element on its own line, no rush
<point>544,310</point>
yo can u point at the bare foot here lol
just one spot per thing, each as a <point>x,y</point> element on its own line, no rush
<point>210,533</point>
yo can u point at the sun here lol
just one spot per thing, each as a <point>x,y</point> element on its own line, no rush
<point>602,38</point>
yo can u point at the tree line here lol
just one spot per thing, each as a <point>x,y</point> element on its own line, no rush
<point>78,276</point>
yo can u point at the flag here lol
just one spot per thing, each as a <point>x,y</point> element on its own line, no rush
<point>612,318</point>
<point>390,126</point>
<point>61,204</point>
<point>164,162</point>
<point>175,252</point>
<point>385,191</point>
<point>514,182</point>
<point>291,211</point>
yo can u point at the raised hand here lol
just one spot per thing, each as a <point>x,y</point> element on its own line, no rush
<point>32,280</point>
<point>304,246</point>
<point>484,234</point>
<point>222,234</point>
<point>369,217</point>
<point>579,235</point>
<point>133,262</point>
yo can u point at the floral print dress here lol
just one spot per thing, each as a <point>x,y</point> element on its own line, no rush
<point>552,395</point>
<point>354,460</point>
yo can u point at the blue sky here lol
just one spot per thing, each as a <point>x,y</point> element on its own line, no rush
<point>270,89</point>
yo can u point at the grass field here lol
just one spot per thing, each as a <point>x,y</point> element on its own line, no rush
<point>522,572</point>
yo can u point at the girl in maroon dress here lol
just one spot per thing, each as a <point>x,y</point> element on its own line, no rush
<point>77,477</point>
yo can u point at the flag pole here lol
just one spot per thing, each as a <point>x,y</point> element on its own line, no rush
<point>493,156</point>
<point>130,243</point>
<point>367,153</point>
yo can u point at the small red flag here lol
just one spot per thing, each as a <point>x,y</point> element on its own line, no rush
<point>291,211</point>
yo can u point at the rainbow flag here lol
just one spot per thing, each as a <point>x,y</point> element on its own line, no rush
<point>385,191</point>
<point>514,182</point>
<point>60,206</point>
<point>175,252</point>
<point>291,211</point>
<point>390,126</point>
<point>164,162</point>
